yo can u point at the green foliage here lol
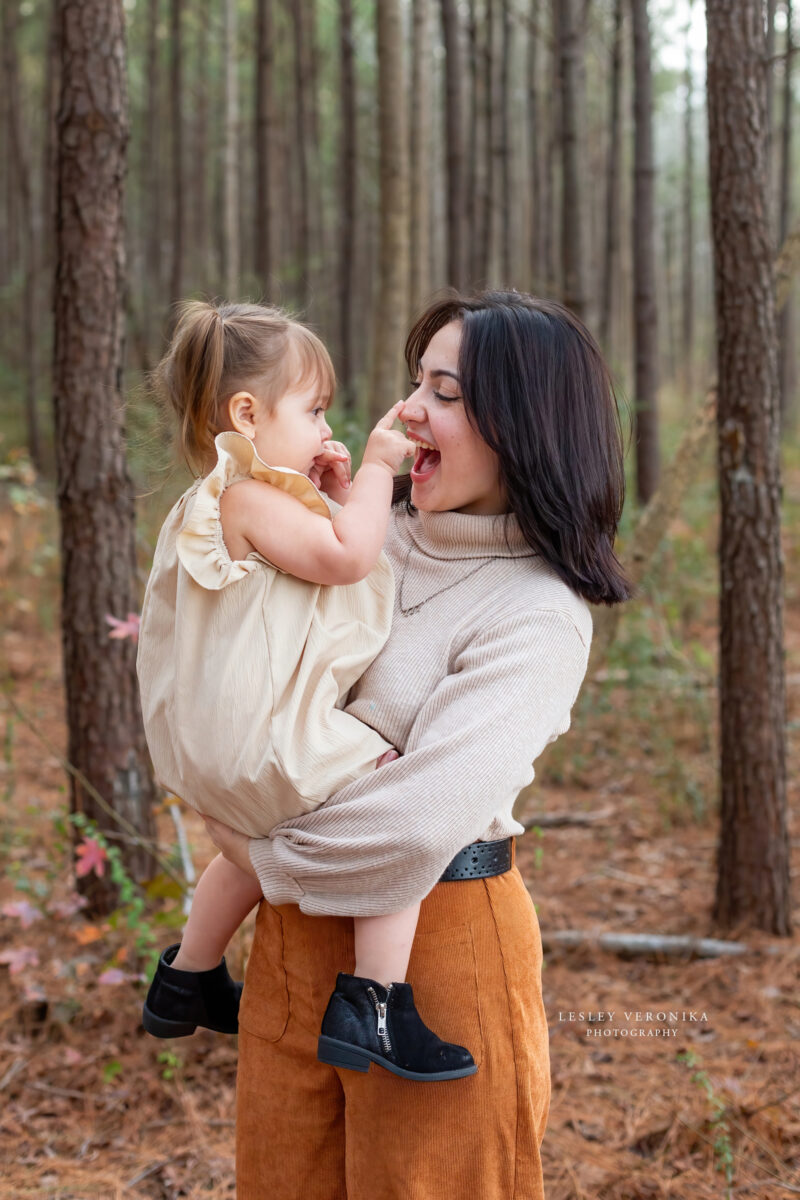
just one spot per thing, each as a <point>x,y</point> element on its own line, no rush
<point>131,914</point>
<point>718,1123</point>
<point>172,1064</point>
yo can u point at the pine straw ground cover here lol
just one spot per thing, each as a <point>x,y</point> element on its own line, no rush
<point>92,1107</point>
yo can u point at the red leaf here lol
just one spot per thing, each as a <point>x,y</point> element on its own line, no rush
<point>91,857</point>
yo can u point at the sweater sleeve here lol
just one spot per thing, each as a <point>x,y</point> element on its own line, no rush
<point>380,844</point>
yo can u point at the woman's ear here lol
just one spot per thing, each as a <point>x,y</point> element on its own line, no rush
<point>242,413</point>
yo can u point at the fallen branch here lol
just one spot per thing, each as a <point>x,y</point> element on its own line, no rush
<point>643,943</point>
<point>557,820</point>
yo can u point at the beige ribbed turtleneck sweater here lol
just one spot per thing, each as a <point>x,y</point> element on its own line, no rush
<point>485,659</point>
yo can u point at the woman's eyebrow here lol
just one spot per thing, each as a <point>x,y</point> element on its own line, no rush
<point>450,374</point>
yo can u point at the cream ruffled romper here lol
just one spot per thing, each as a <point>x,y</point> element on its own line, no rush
<point>243,669</point>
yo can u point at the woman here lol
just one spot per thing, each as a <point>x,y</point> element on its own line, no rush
<point>515,496</point>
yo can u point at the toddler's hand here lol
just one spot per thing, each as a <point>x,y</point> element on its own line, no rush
<point>386,446</point>
<point>331,469</point>
<point>387,757</point>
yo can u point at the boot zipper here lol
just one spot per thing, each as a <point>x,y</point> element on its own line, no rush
<point>380,1008</point>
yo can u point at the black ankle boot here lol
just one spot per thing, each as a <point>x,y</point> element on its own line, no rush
<point>366,1022</point>
<point>179,1001</point>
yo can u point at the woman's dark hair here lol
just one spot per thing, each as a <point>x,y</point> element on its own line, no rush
<point>537,390</point>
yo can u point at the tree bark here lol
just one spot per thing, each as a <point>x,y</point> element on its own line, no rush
<point>348,200</point>
<point>611,248</point>
<point>22,175</point>
<point>645,313</point>
<point>573,254</point>
<point>151,176</point>
<point>393,267</point>
<point>536,221</point>
<point>753,856</point>
<point>301,99</point>
<point>267,209</point>
<point>455,76</point>
<point>230,164</point>
<point>687,306</point>
<point>504,149</point>
<point>95,494</point>
<point>473,162</point>
<point>421,62</point>
<point>786,362</point>
<point>176,114</point>
<point>201,250</point>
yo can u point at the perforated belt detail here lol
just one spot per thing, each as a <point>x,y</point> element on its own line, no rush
<point>480,860</point>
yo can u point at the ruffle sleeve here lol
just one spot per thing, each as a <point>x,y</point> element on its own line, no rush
<point>199,543</point>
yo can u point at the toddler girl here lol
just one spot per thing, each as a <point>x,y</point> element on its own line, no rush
<point>265,604</point>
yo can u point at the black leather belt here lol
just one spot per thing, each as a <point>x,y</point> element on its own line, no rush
<point>480,860</point>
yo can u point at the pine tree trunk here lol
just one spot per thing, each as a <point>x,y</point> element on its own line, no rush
<point>266,149</point>
<point>421,60</point>
<point>348,200</point>
<point>771,6</point>
<point>485,189</point>
<point>230,167</point>
<point>95,494</point>
<point>573,254</point>
<point>49,156</point>
<point>201,250</point>
<point>301,102</point>
<point>612,226</point>
<point>22,175</point>
<point>553,133</point>
<point>753,856</point>
<point>393,267</point>
<point>151,165</point>
<point>785,321</point>
<point>536,231</point>
<point>455,75</point>
<point>176,114</point>
<point>472,167</point>
<point>645,314</point>
<point>687,307</point>
<point>506,194</point>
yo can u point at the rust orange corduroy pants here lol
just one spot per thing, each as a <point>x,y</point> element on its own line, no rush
<point>308,1131</point>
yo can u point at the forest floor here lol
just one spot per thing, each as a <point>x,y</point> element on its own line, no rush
<point>643,1105</point>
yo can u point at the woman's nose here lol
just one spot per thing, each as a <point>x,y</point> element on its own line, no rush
<point>413,409</point>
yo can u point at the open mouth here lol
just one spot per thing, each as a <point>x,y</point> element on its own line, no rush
<point>425,463</point>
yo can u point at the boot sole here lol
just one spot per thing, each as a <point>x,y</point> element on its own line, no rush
<point>355,1058</point>
<point>161,1028</point>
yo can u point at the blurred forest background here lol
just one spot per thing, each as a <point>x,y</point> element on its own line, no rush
<point>636,159</point>
<point>253,171</point>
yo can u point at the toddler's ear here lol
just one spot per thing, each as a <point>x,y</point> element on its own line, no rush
<point>242,413</point>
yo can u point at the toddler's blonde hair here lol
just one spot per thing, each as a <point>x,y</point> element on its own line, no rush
<point>220,349</point>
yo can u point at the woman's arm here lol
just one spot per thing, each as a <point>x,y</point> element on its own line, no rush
<point>381,843</point>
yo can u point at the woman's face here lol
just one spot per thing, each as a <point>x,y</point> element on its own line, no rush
<point>460,472</point>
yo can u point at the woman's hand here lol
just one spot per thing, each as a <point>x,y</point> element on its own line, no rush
<point>331,471</point>
<point>231,844</point>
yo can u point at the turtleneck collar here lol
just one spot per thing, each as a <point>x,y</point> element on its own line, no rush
<point>464,535</point>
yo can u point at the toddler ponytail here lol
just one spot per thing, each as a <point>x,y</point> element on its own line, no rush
<point>190,376</point>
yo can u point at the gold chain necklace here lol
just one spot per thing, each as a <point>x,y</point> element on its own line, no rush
<point>407,612</point>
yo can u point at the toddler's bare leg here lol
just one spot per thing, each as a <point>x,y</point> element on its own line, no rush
<point>383,945</point>
<point>222,899</point>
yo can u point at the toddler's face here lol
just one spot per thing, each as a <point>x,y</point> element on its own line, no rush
<point>292,432</point>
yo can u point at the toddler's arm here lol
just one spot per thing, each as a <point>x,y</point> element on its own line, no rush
<point>312,547</point>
